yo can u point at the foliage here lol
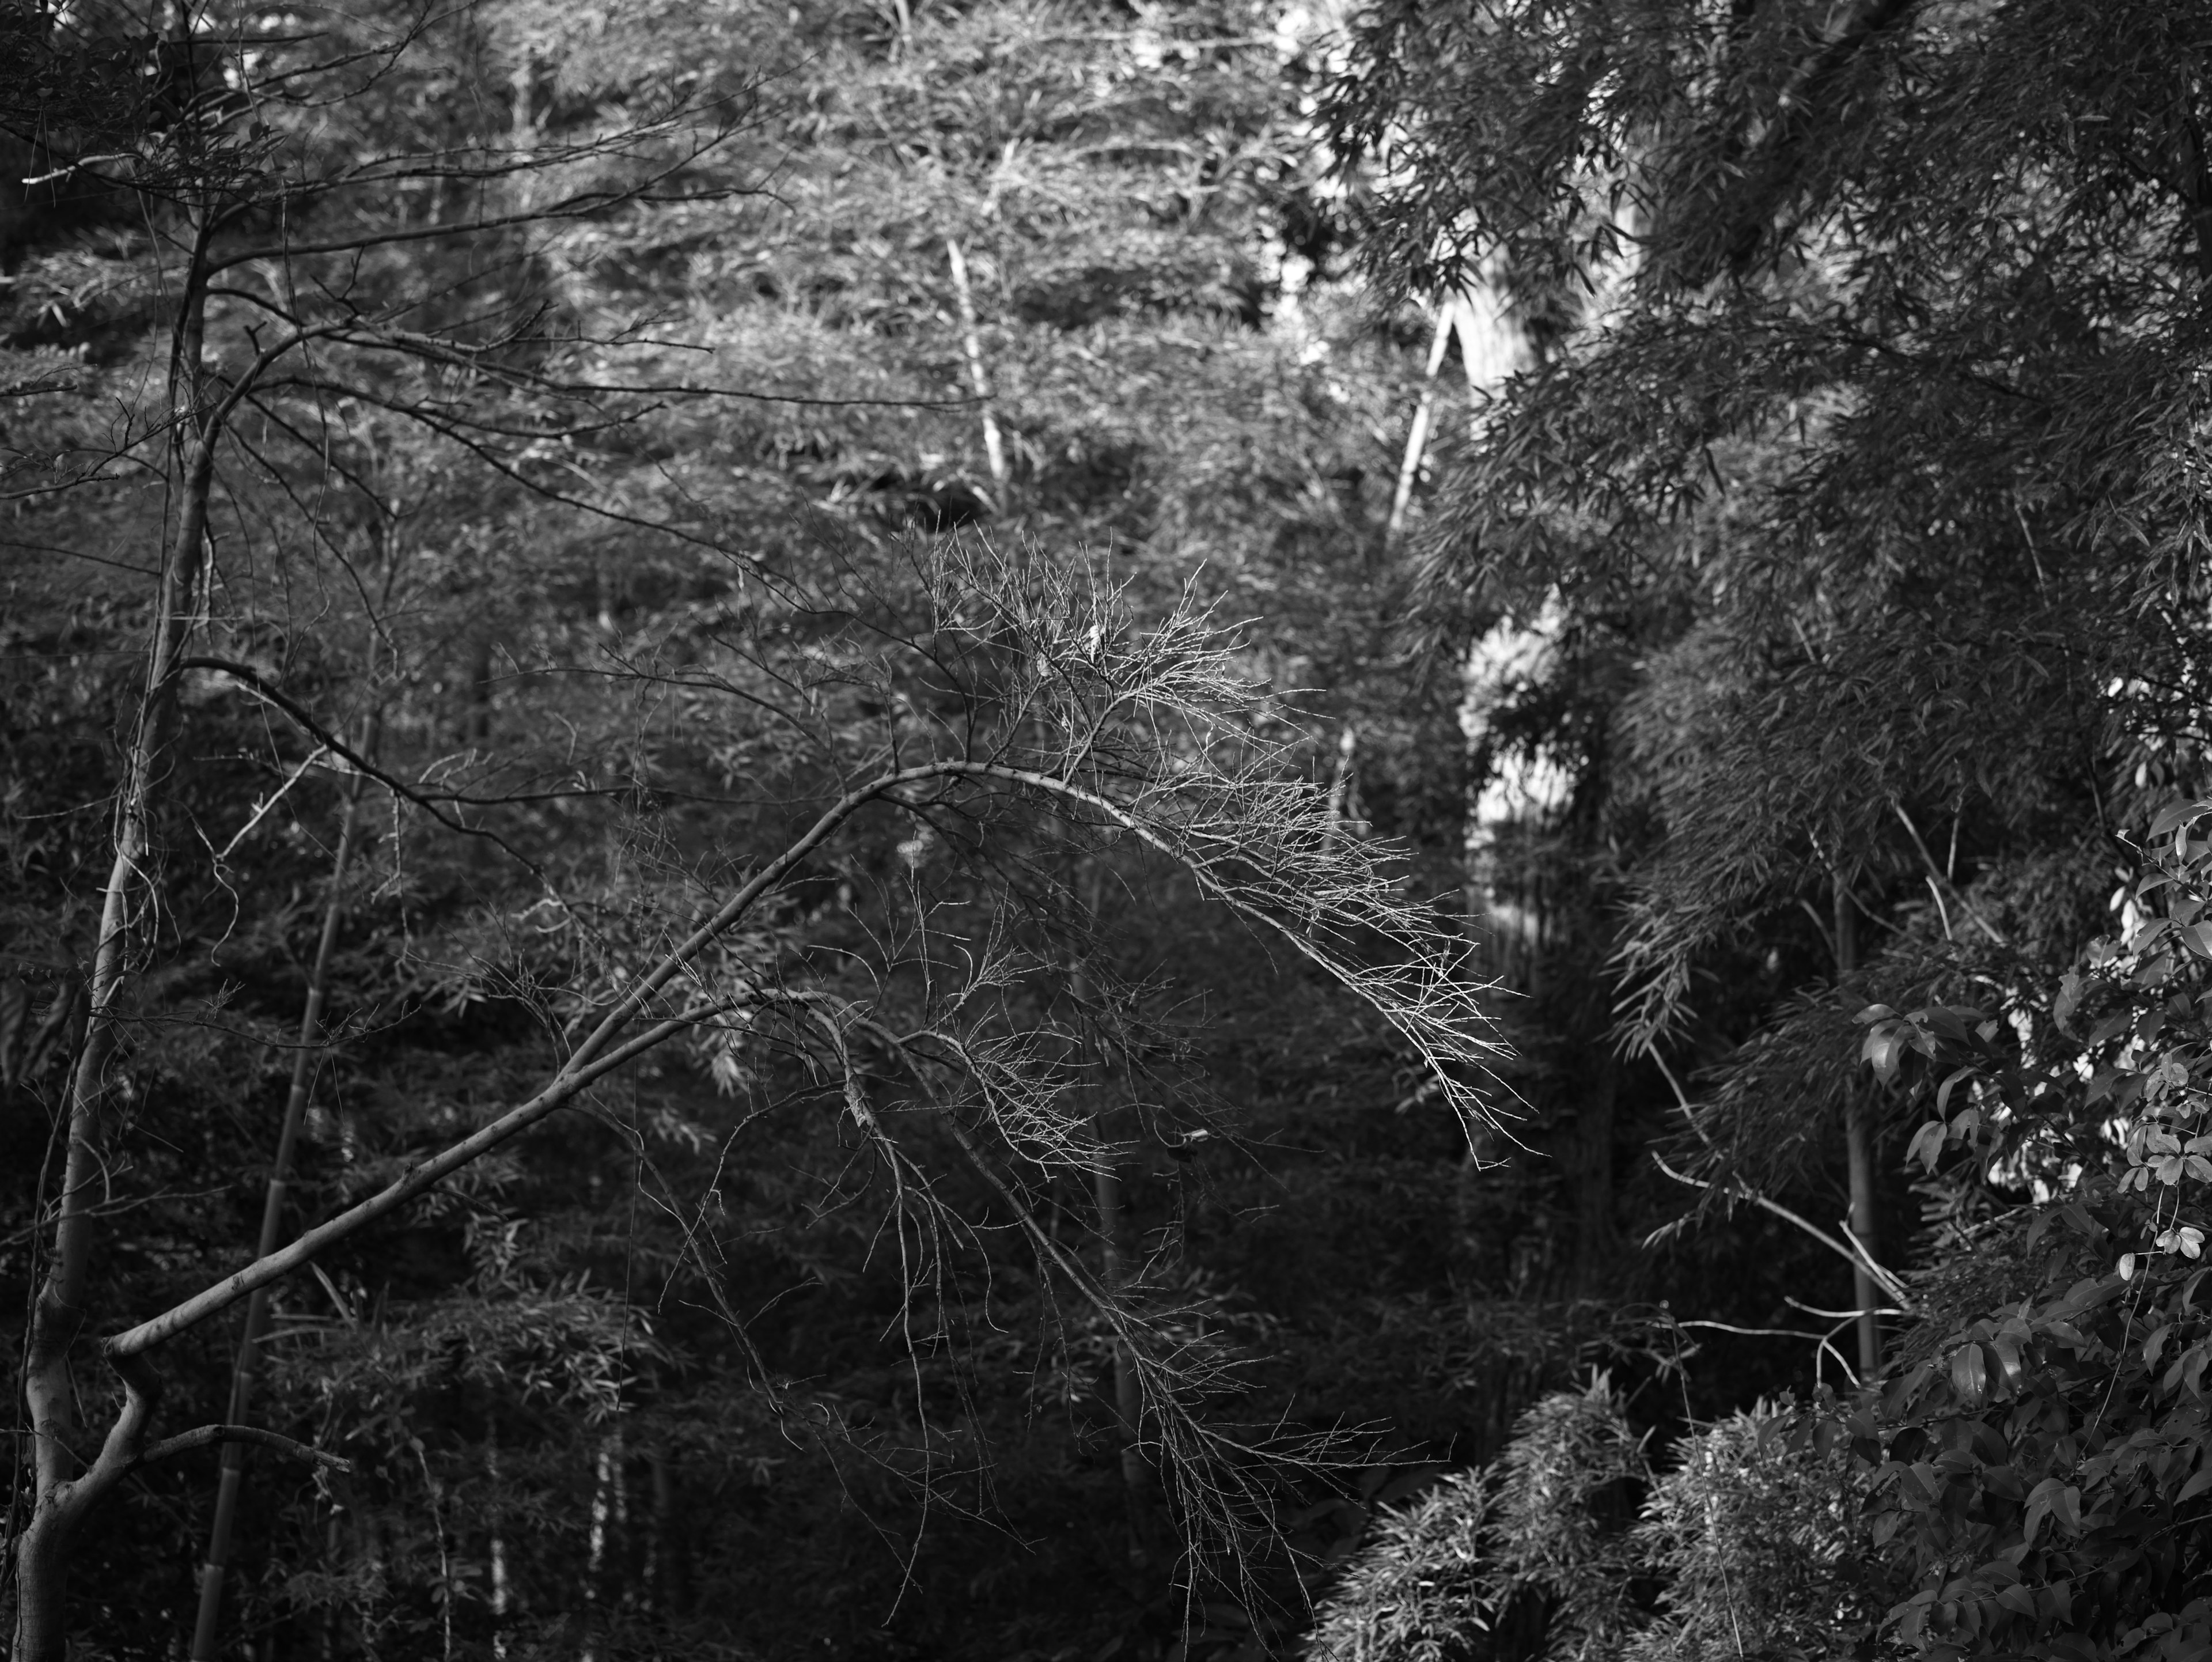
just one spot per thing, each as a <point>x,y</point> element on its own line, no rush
<point>1884,484</point>
<point>1747,1541</point>
<point>594,529</point>
<point>2040,1446</point>
<point>1534,1542</point>
<point>644,452</point>
<point>1755,1537</point>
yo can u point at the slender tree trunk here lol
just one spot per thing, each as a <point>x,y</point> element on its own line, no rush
<point>1594,1127</point>
<point>63,1498</point>
<point>334,1543</point>
<point>1340,782</point>
<point>971,339</point>
<point>475,728</point>
<point>248,1364</point>
<point>672,1578</point>
<point>619,1553</point>
<point>495,1506</point>
<point>437,1494</point>
<point>1129,1398</point>
<point>1858,1141</point>
<point>606,1479</point>
<point>1116,1258</point>
<point>1417,442</point>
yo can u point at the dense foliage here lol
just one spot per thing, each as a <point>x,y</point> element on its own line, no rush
<point>1867,435</point>
<point>775,709</point>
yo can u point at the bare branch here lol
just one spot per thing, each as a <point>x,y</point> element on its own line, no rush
<point>209,1436</point>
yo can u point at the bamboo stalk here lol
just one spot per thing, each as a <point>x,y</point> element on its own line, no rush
<point>1417,442</point>
<point>215,1565</point>
<point>1111,1213</point>
<point>1858,1143</point>
<point>499,1597</point>
<point>972,341</point>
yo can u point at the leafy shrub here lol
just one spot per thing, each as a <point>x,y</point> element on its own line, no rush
<point>1753,1535</point>
<point>1534,1546</point>
<point>1572,1548</point>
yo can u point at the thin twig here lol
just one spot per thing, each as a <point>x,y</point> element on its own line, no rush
<point>1934,871</point>
<point>1888,1282</point>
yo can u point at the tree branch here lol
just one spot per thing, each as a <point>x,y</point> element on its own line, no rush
<point>1741,1191</point>
<point>208,1436</point>
<point>1433,1033</point>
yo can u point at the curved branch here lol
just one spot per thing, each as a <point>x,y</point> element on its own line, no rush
<point>1858,1260</point>
<point>1738,1188</point>
<point>592,1060</point>
<point>416,1180</point>
<point>263,688</point>
<point>209,1435</point>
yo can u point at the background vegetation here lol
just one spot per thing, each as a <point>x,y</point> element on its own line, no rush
<point>1448,758</point>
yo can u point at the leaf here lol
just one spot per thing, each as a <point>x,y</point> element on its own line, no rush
<point>2195,1487</point>
<point>1943,1091</point>
<point>2175,814</point>
<point>1927,1144</point>
<point>1884,1049</point>
<point>2040,1500</point>
<point>2068,1507</point>
<point>1969,1373</point>
<point>2069,1000</point>
<point>2110,1026</point>
<point>2019,1600</point>
<point>2147,933</point>
<point>2003,1482</point>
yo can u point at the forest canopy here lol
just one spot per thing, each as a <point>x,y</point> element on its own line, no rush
<point>1069,831</point>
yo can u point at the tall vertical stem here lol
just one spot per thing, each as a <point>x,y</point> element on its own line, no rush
<point>1858,1141</point>
<point>496,1506</point>
<point>212,1569</point>
<point>971,339</point>
<point>1115,1259</point>
<point>42,1551</point>
<point>1417,442</point>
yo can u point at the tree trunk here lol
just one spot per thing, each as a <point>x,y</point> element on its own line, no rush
<point>1594,1243</point>
<point>1417,441</point>
<point>498,1554</point>
<point>971,340</point>
<point>272,1217</point>
<point>1115,1255</point>
<point>58,1313</point>
<point>609,1510</point>
<point>1858,1141</point>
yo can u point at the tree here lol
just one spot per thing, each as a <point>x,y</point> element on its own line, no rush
<point>1881,406</point>
<point>379,331</point>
